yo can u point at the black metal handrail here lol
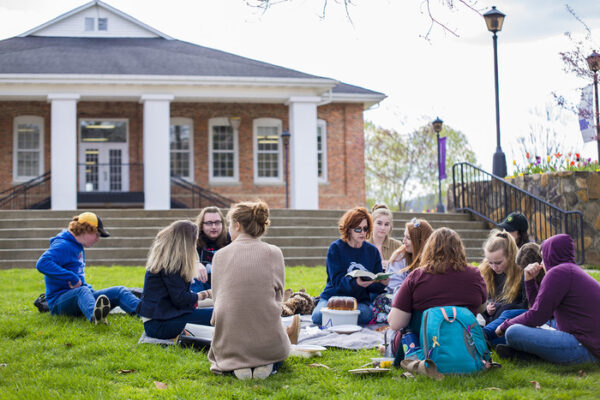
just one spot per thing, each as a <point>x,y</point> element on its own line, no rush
<point>20,196</point>
<point>492,198</point>
<point>195,196</point>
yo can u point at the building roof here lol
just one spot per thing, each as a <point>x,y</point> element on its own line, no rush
<point>62,47</point>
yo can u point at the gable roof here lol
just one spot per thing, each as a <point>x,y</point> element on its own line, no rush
<point>99,5</point>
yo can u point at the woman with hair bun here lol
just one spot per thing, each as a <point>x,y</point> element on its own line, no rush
<point>382,232</point>
<point>248,279</point>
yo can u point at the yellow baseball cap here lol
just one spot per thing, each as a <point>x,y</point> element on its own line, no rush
<point>94,221</point>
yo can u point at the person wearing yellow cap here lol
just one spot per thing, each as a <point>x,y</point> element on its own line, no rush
<point>63,266</point>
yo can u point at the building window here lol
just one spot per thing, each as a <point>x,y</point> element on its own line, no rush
<point>89,24</point>
<point>181,136</point>
<point>102,24</point>
<point>267,150</point>
<point>322,150</point>
<point>223,151</point>
<point>28,147</point>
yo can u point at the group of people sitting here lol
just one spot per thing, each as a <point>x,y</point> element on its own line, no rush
<point>223,258</point>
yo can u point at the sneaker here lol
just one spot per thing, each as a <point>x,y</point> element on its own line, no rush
<point>262,372</point>
<point>101,310</point>
<point>505,351</point>
<point>243,374</point>
<point>293,330</point>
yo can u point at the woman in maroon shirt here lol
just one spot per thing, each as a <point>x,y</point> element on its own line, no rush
<point>443,279</point>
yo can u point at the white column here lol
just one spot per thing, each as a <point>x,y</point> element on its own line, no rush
<point>304,181</point>
<point>157,174</point>
<point>63,149</point>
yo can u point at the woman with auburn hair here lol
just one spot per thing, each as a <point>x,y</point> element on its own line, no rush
<point>247,285</point>
<point>382,232</point>
<point>408,257</point>
<point>443,279</point>
<point>350,252</point>
<point>212,236</point>
<point>502,275</point>
<point>168,304</point>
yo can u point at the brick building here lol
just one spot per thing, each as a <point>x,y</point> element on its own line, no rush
<point>114,107</point>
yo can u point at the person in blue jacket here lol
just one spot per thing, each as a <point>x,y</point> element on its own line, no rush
<point>351,251</point>
<point>63,265</point>
<point>168,303</point>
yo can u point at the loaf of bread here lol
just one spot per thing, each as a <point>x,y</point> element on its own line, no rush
<point>342,303</point>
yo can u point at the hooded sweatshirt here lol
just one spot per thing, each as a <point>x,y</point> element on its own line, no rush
<point>566,292</point>
<point>62,263</point>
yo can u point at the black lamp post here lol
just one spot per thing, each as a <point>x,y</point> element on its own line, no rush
<point>494,20</point>
<point>437,127</point>
<point>594,63</point>
<point>285,138</point>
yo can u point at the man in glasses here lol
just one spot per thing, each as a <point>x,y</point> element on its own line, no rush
<point>213,236</point>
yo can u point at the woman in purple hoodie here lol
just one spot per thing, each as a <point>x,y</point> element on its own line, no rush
<point>569,294</point>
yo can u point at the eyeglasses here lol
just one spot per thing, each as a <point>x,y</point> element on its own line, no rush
<point>212,223</point>
<point>416,223</point>
<point>359,229</point>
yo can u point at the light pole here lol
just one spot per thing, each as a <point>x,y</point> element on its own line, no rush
<point>285,138</point>
<point>437,127</point>
<point>594,63</point>
<point>494,20</point>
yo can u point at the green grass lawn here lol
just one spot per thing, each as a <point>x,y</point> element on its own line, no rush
<point>45,357</point>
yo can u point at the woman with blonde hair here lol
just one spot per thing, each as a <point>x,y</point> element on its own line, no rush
<point>382,232</point>
<point>502,275</point>
<point>168,304</point>
<point>352,252</point>
<point>443,279</point>
<point>408,257</point>
<point>247,286</point>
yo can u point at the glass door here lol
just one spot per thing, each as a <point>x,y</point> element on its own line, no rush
<point>103,156</point>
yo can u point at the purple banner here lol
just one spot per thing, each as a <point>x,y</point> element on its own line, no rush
<point>442,150</point>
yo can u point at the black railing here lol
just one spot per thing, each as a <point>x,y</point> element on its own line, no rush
<point>185,194</point>
<point>492,198</point>
<point>34,193</point>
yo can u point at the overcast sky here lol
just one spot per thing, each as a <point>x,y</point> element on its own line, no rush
<point>383,49</point>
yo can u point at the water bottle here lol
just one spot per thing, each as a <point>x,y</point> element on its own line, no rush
<point>410,343</point>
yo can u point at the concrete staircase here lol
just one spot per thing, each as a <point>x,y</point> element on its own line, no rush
<point>303,236</point>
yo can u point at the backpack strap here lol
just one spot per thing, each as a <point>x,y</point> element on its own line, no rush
<point>446,315</point>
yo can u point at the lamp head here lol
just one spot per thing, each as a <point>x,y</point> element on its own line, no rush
<point>285,137</point>
<point>593,61</point>
<point>235,122</point>
<point>494,20</point>
<point>437,125</point>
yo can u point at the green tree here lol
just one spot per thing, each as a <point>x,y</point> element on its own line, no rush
<point>398,166</point>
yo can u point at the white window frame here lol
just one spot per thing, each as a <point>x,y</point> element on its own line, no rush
<point>34,120</point>
<point>89,24</point>
<point>267,122</point>
<point>323,125</point>
<point>222,121</point>
<point>102,24</point>
<point>181,121</point>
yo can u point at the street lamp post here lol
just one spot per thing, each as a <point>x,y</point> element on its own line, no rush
<point>594,63</point>
<point>285,138</point>
<point>437,127</point>
<point>494,20</point>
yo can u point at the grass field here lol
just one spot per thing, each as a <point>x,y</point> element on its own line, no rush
<point>46,357</point>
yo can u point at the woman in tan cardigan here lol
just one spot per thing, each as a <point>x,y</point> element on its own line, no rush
<point>247,288</point>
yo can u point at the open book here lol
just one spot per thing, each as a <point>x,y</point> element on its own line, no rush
<point>369,276</point>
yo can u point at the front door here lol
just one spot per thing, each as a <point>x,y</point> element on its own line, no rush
<point>103,156</point>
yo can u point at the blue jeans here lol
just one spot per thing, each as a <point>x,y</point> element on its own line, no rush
<point>551,345</point>
<point>365,316</point>
<point>81,300</point>
<point>169,328</point>
<point>490,329</point>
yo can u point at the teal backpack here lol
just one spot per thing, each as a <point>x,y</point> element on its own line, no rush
<point>453,340</point>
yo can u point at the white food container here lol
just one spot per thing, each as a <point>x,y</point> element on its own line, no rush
<point>339,317</point>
